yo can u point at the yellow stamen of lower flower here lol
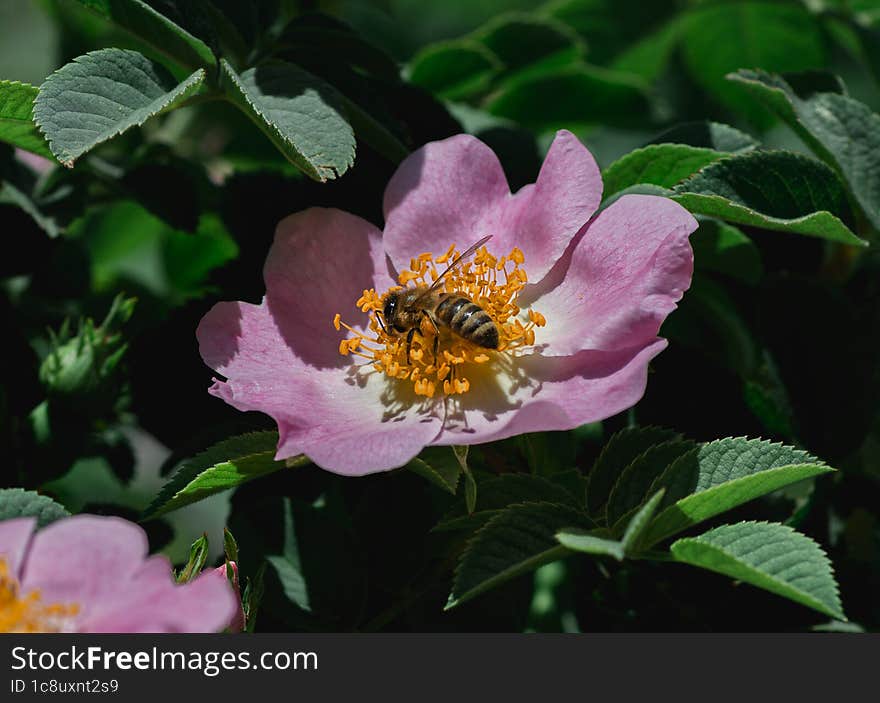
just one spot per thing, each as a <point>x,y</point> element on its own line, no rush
<point>492,283</point>
<point>26,612</point>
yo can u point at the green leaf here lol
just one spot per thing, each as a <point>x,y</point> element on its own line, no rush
<point>548,453</point>
<point>635,529</point>
<point>198,556</point>
<point>454,70</point>
<point>573,95</point>
<point>776,36</point>
<point>598,542</point>
<point>289,565</point>
<point>227,464</point>
<point>518,540</point>
<point>127,244</point>
<point>590,542</point>
<point>723,248</point>
<point>843,132</point>
<point>439,465</point>
<point>15,190</point>
<point>711,135</point>
<point>708,322</point>
<point>17,502</point>
<point>230,546</point>
<point>102,94</point>
<point>770,556</point>
<point>16,123</point>
<point>156,30</point>
<point>777,190</point>
<point>723,474</point>
<point>521,41</point>
<point>321,564</point>
<point>499,492</point>
<point>618,453</point>
<point>659,164</point>
<point>301,114</point>
<point>767,397</point>
<point>631,488</point>
<point>649,57</point>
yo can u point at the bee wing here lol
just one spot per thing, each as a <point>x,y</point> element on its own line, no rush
<point>458,261</point>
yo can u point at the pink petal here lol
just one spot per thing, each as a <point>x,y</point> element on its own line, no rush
<point>15,535</point>
<point>320,263</point>
<point>150,601</point>
<point>455,192</point>
<point>546,393</point>
<point>82,559</point>
<point>622,279</point>
<point>282,357</point>
<point>542,220</point>
<point>345,422</point>
<point>447,192</point>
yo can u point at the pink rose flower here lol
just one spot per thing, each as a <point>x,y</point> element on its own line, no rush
<point>88,573</point>
<point>577,299</point>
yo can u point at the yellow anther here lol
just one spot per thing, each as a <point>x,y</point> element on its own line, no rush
<point>493,283</point>
<point>26,612</point>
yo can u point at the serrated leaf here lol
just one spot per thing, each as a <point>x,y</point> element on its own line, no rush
<point>777,190</point>
<point>439,465</point>
<point>16,122</point>
<point>659,164</point>
<point>842,131</point>
<point>455,69</point>
<point>518,540</point>
<point>301,114</point>
<point>225,465</point>
<point>573,95</point>
<point>497,493</point>
<point>776,36</point>
<point>722,248</point>
<point>770,556</point>
<point>102,94</point>
<point>152,27</point>
<point>710,135</point>
<point>620,450</point>
<point>17,502</point>
<point>631,488</point>
<point>723,474</point>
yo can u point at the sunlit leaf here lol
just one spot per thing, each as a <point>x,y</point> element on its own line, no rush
<point>770,556</point>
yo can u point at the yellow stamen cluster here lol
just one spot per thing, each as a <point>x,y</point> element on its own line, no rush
<point>490,282</point>
<point>27,613</point>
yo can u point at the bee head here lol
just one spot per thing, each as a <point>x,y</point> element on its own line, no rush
<point>388,312</point>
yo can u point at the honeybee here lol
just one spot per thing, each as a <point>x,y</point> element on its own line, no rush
<point>405,310</point>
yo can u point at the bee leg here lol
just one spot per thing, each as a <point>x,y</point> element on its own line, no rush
<point>409,339</point>
<point>436,335</point>
<point>381,324</point>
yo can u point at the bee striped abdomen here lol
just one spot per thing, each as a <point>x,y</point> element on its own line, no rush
<point>468,320</point>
